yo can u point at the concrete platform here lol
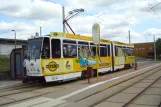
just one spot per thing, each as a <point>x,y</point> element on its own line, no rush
<point>151,100</point>
<point>21,96</point>
<point>156,85</point>
<point>141,85</point>
<point>98,97</point>
<point>153,91</point>
<point>133,90</point>
<point>40,102</point>
<point>6,83</point>
<point>5,100</point>
<point>147,81</point>
<point>109,104</point>
<point>9,92</point>
<point>136,105</point>
<point>121,98</point>
<point>46,90</point>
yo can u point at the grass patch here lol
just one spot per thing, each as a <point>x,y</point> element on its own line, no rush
<point>4,63</point>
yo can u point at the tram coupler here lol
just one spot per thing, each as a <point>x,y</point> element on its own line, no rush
<point>89,73</point>
<point>135,68</point>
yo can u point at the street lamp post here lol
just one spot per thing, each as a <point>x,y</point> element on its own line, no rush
<point>154,49</point>
<point>15,37</point>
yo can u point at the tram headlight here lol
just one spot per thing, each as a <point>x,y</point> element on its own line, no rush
<point>42,69</point>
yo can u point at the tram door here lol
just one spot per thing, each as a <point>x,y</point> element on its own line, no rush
<point>18,65</point>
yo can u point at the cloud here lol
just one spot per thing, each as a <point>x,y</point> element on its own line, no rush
<point>152,31</point>
<point>25,30</point>
<point>31,9</point>
<point>93,4</point>
<point>110,23</point>
<point>114,16</point>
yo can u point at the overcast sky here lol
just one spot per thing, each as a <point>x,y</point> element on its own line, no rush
<point>116,17</point>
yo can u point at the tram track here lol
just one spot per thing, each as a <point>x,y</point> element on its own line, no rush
<point>148,73</point>
<point>44,85</point>
<point>139,94</point>
<point>134,98</point>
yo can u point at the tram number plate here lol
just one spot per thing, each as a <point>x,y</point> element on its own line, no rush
<point>54,78</point>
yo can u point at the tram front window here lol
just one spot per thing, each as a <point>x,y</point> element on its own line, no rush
<point>46,48</point>
<point>34,48</point>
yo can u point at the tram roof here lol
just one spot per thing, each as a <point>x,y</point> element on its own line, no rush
<point>123,44</point>
<point>77,37</point>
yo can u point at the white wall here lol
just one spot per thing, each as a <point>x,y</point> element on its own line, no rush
<point>5,49</point>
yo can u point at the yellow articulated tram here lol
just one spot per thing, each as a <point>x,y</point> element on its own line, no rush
<point>62,56</point>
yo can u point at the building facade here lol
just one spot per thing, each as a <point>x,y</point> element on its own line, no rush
<point>7,45</point>
<point>144,49</point>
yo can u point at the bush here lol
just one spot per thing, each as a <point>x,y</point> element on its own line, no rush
<point>4,63</point>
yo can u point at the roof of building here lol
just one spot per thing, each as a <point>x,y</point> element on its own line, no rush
<point>19,41</point>
<point>144,43</point>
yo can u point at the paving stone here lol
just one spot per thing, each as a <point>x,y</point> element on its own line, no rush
<point>97,97</point>
<point>121,98</point>
<point>125,84</point>
<point>109,104</point>
<point>151,100</point>
<point>39,102</point>
<point>139,78</point>
<point>142,85</point>
<point>46,90</point>
<point>159,81</point>
<point>2,93</point>
<point>5,101</point>
<point>153,91</point>
<point>72,105</point>
<point>133,90</point>
<point>136,105</point>
<point>21,96</point>
<point>156,85</point>
<point>64,91</point>
<point>152,78</point>
<point>147,81</point>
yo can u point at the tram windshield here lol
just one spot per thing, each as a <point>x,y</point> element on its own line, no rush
<point>34,48</point>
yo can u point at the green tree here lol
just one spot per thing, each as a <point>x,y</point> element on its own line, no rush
<point>158,46</point>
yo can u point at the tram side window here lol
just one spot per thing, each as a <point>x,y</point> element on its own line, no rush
<point>124,51</point>
<point>129,52</point>
<point>132,53</point>
<point>46,48</point>
<point>69,49</point>
<point>83,50</point>
<point>108,47</point>
<point>93,49</point>
<point>116,51</point>
<point>119,51</point>
<point>56,48</point>
<point>103,50</point>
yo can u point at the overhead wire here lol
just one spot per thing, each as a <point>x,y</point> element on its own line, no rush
<point>152,8</point>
